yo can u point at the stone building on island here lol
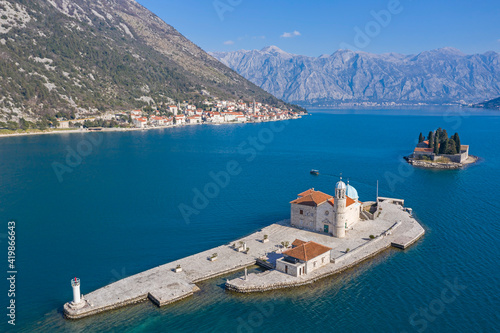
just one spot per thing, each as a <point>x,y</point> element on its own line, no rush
<point>423,149</point>
<point>317,211</point>
<point>303,258</point>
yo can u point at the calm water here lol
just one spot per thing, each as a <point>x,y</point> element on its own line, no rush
<point>116,214</point>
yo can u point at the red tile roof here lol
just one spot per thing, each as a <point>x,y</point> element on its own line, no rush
<point>298,242</point>
<point>315,198</point>
<point>349,201</point>
<point>303,194</point>
<point>307,251</point>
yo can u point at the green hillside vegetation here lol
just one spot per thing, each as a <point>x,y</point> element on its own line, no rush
<point>61,65</point>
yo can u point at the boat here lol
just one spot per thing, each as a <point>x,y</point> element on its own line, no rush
<point>314,172</point>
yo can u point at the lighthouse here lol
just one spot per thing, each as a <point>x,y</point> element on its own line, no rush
<point>75,283</point>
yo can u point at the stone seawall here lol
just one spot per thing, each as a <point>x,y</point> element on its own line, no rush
<point>435,165</point>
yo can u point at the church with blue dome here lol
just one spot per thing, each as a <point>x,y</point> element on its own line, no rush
<point>317,211</point>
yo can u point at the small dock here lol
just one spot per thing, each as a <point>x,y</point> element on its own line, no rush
<point>163,285</point>
<point>405,241</point>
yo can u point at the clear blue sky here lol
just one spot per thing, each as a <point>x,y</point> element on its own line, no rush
<point>321,27</point>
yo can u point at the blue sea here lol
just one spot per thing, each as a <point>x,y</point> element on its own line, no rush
<point>104,206</point>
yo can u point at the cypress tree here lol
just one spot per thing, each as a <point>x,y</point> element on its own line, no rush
<point>420,138</point>
<point>444,135</point>
<point>431,140</point>
<point>438,134</point>
<point>436,145</point>
<point>443,147</point>
<point>457,143</point>
<point>452,147</point>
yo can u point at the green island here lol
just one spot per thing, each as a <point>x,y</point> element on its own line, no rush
<point>439,151</point>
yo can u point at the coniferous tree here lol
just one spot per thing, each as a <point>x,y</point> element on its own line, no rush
<point>420,138</point>
<point>452,147</point>
<point>431,140</point>
<point>443,147</point>
<point>436,145</point>
<point>438,134</point>
<point>444,135</point>
<point>457,143</point>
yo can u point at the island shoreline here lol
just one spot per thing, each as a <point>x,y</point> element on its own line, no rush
<point>441,166</point>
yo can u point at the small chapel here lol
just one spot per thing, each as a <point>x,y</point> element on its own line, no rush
<point>317,211</point>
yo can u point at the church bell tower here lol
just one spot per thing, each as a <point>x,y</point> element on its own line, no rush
<point>340,207</point>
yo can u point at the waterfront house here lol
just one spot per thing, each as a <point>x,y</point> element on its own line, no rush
<point>180,119</point>
<point>194,119</point>
<point>140,122</point>
<point>214,117</point>
<point>234,116</point>
<point>303,258</point>
<point>241,118</point>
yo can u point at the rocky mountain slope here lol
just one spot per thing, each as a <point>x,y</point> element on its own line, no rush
<point>491,104</point>
<point>440,76</point>
<point>82,55</point>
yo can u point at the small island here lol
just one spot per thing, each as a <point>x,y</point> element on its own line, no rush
<point>439,151</point>
<point>325,235</point>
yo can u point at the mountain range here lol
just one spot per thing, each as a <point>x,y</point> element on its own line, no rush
<point>439,76</point>
<point>86,56</point>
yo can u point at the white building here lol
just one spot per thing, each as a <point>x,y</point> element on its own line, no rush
<point>214,117</point>
<point>320,212</point>
<point>135,114</point>
<point>140,122</point>
<point>194,119</point>
<point>63,124</point>
<point>241,118</point>
<point>303,258</point>
<point>229,116</point>
<point>173,109</point>
<point>180,119</point>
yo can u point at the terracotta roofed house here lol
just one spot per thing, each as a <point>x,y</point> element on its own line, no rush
<point>304,258</point>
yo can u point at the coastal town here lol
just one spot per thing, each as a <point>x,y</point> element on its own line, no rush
<point>211,112</point>
<point>162,115</point>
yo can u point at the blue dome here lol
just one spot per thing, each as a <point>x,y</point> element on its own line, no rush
<point>340,185</point>
<point>351,192</point>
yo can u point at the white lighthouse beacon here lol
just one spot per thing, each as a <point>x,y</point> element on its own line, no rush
<point>75,283</point>
<point>340,208</point>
